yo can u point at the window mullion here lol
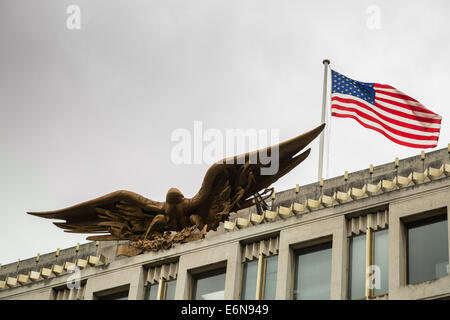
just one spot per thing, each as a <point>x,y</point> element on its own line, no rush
<point>260,277</point>
<point>369,261</point>
<point>161,289</point>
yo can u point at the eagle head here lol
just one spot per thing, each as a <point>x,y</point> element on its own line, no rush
<point>174,196</point>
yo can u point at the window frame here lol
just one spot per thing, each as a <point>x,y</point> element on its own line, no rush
<point>260,276</point>
<point>205,274</point>
<point>148,286</point>
<point>310,246</point>
<point>101,295</point>
<point>349,268</point>
<point>242,277</point>
<point>162,288</point>
<point>421,219</point>
<point>370,260</point>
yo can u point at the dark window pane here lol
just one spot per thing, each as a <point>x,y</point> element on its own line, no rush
<point>382,261</point>
<point>123,295</point>
<point>151,291</point>
<point>357,267</point>
<point>427,250</point>
<point>270,284</point>
<point>249,280</point>
<point>209,286</point>
<point>170,289</point>
<point>313,273</point>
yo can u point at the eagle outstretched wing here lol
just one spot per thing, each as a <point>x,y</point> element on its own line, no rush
<point>123,214</point>
<point>230,183</point>
<point>228,186</point>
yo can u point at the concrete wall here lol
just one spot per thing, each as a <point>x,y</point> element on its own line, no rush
<point>399,211</point>
<point>228,255</point>
<point>333,230</point>
<point>224,249</point>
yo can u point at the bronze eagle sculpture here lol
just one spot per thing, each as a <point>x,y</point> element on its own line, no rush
<point>229,185</point>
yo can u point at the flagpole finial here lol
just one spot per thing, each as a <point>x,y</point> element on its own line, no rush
<point>326,61</point>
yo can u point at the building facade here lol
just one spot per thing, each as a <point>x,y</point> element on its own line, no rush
<point>378,233</point>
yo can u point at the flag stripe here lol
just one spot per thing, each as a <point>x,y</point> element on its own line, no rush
<point>397,95</point>
<point>406,104</point>
<point>386,127</point>
<point>398,92</point>
<point>415,114</point>
<point>395,123</point>
<point>383,86</point>
<point>401,142</point>
<point>375,117</point>
<point>384,113</point>
<point>422,120</point>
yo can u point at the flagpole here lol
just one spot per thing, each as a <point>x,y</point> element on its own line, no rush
<point>325,62</point>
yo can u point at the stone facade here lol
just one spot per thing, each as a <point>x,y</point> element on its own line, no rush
<point>321,213</point>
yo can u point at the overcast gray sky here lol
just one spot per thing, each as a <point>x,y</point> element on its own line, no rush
<point>86,112</point>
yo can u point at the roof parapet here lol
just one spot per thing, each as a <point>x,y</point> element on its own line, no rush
<point>353,193</point>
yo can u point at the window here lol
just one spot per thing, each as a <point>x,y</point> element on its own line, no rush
<point>249,280</point>
<point>259,280</point>
<point>270,283</point>
<point>161,282</point>
<point>427,249</point>
<point>368,269</point>
<point>209,285</point>
<point>312,279</point>
<point>65,293</point>
<point>167,290</point>
<point>260,266</point>
<point>381,260</point>
<point>119,293</point>
<point>115,296</point>
<point>368,264</point>
<point>357,267</point>
<point>170,289</point>
<point>151,291</point>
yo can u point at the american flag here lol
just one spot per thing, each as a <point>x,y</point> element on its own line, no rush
<point>385,109</point>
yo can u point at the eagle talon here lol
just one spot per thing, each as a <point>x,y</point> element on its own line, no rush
<point>158,219</point>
